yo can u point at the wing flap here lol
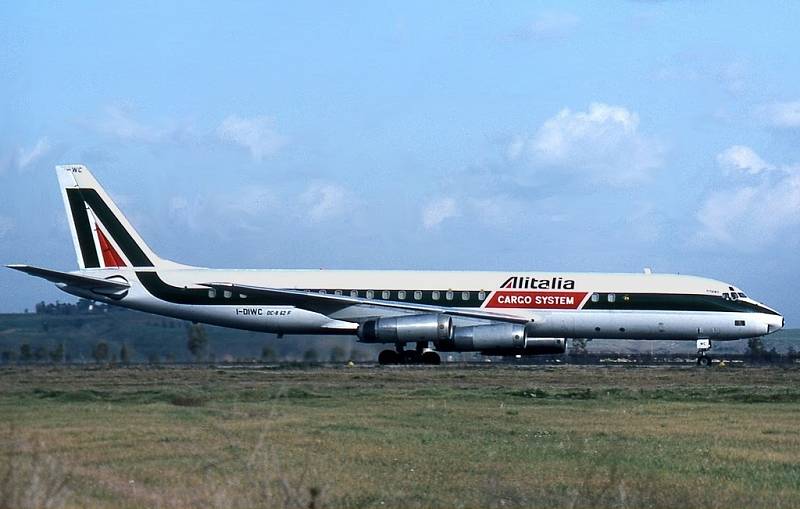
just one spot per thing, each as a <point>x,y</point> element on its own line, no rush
<point>70,279</point>
<point>307,300</point>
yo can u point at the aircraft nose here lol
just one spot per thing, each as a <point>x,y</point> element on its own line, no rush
<point>776,324</point>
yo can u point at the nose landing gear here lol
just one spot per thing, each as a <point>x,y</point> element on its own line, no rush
<point>703,346</point>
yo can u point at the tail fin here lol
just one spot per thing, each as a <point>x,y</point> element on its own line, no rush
<point>101,234</point>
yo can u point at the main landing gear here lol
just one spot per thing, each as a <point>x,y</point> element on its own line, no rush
<point>420,355</point>
<point>703,346</point>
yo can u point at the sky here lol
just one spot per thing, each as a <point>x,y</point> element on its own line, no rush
<point>535,136</point>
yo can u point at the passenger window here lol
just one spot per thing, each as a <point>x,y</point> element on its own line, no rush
<point>401,295</point>
<point>370,294</point>
<point>435,295</point>
<point>612,297</point>
<point>417,295</point>
<point>464,295</point>
<point>242,296</point>
<point>738,323</point>
<point>481,295</point>
<point>448,295</point>
<point>212,294</point>
<point>353,293</point>
<point>227,294</point>
<point>385,294</point>
<point>595,297</point>
<point>338,292</point>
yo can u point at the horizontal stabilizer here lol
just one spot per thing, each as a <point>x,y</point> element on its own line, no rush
<point>309,300</point>
<point>74,280</point>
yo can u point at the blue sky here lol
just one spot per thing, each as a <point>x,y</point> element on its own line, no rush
<point>516,136</point>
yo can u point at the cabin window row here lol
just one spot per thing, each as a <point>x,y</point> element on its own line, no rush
<point>226,294</point>
<point>448,295</point>
<point>608,297</point>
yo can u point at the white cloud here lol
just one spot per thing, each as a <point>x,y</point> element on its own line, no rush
<point>322,201</point>
<point>117,121</point>
<point>257,134</point>
<point>603,143</point>
<point>753,214</point>
<point>438,211</point>
<point>119,124</point>
<point>26,157</point>
<point>550,25</point>
<point>741,157</point>
<point>781,114</point>
<point>258,209</point>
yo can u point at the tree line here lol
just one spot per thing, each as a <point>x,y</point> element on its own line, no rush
<point>198,346</point>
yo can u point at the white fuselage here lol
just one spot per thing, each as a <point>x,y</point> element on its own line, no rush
<point>567,305</point>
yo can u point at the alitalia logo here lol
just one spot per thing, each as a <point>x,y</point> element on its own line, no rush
<point>530,282</point>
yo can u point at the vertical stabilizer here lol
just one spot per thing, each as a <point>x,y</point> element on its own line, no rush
<point>102,235</point>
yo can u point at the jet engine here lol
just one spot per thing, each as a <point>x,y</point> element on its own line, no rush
<point>500,339</point>
<point>402,329</point>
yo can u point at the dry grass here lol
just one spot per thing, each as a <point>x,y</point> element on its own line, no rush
<point>29,476</point>
<point>371,437</point>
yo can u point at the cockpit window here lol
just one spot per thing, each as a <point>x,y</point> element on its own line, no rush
<point>726,296</point>
<point>742,295</point>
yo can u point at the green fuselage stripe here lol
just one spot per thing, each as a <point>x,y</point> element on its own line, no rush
<point>672,302</point>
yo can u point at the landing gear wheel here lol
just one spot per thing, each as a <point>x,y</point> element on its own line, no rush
<point>704,361</point>
<point>411,357</point>
<point>431,358</point>
<point>387,357</point>
<point>703,346</point>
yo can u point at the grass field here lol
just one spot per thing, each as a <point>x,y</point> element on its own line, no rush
<point>400,437</point>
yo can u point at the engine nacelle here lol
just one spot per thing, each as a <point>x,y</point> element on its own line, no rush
<point>403,329</point>
<point>485,337</point>
<point>501,339</point>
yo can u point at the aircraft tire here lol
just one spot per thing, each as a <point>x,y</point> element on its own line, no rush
<point>431,358</point>
<point>704,361</point>
<point>387,357</point>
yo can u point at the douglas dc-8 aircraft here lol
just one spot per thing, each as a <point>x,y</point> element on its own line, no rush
<point>494,313</point>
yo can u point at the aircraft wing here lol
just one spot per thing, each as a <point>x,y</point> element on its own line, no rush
<point>308,300</point>
<point>75,280</point>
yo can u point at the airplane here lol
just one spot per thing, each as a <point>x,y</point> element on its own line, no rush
<point>493,313</point>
